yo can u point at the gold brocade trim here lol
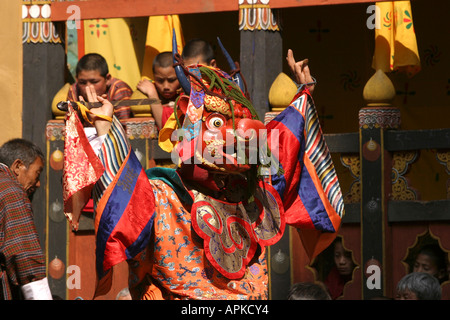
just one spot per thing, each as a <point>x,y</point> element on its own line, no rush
<point>354,195</point>
<point>216,104</point>
<point>352,162</point>
<point>401,162</point>
<point>401,190</point>
<point>443,157</point>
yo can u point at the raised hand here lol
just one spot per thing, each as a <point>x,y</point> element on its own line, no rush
<point>100,115</point>
<point>148,88</point>
<point>300,70</point>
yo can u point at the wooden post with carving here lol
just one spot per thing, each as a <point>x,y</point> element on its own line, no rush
<point>374,120</point>
<point>261,61</point>
<point>261,57</point>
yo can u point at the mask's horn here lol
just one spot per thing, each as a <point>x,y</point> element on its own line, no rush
<point>184,81</point>
<point>237,77</point>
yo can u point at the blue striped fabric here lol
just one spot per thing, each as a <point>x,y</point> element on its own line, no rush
<point>307,184</point>
<point>113,153</point>
<point>318,153</point>
<point>124,203</point>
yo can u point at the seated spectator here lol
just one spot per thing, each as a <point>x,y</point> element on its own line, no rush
<point>198,51</point>
<point>418,286</point>
<point>342,270</point>
<point>92,69</point>
<point>308,291</point>
<point>165,88</point>
<point>432,259</point>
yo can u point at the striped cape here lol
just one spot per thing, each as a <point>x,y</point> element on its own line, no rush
<point>307,182</point>
<point>124,214</point>
<point>124,203</point>
<point>124,206</point>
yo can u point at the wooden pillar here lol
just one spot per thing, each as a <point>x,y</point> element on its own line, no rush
<point>261,56</point>
<point>261,61</point>
<point>43,75</point>
<point>56,226</point>
<point>374,120</point>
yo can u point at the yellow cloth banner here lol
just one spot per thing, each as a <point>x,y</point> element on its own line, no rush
<point>395,39</point>
<point>11,70</point>
<point>112,38</point>
<point>159,39</point>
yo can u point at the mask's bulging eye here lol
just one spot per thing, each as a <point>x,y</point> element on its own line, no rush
<point>215,121</point>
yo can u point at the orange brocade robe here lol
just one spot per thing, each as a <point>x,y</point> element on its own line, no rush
<point>179,243</point>
<point>182,244</point>
<point>174,265</point>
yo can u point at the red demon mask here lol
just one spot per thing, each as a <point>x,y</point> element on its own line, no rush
<point>220,128</point>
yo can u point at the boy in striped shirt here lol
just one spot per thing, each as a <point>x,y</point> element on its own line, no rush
<point>92,69</point>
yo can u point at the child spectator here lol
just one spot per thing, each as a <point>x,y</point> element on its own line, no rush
<point>92,69</point>
<point>431,259</point>
<point>165,86</point>
<point>341,272</point>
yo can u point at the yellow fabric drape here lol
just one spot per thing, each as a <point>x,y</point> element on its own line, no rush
<point>11,70</point>
<point>395,39</point>
<point>165,141</point>
<point>113,40</point>
<point>159,39</point>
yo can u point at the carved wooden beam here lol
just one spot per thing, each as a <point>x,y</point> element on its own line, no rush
<point>97,9</point>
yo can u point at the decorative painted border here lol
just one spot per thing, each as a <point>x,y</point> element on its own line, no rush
<point>37,24</point>
<point>257,15</point>
<point>379,117</point>
<point>353,163</point>
<point>135,129</point>
<point>55,130</point>
<point>144,128</point>
<point>401,161</point>
<point>443,157</point>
